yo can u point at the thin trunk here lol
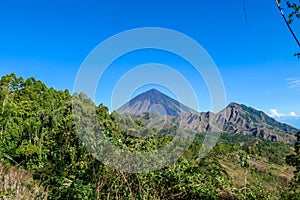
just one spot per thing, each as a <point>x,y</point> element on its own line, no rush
<point>246,173</point>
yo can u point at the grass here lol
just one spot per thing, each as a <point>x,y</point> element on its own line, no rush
<point>18,184</point>
<point>261,174</point>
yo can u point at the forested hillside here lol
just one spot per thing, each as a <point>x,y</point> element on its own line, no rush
<point>42,156</point>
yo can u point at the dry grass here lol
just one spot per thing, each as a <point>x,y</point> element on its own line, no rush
<point>18,184</point>
<point>272,176</point>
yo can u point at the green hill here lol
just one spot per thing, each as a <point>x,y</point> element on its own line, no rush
<point>43,155</point>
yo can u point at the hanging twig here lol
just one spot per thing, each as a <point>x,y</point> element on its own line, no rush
<point>245,13</point>
<point>10,158</point>
<point>287,23</point>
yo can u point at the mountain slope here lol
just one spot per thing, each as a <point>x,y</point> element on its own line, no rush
<point>235,118</point>
<point>155,102</point>
<point>247,117</point>
<point>238,118</point>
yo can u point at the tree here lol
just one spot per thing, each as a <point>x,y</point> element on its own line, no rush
<point>294,160</point>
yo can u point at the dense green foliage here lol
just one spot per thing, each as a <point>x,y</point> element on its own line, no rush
<point>294,160</point>
<point>38,134</point>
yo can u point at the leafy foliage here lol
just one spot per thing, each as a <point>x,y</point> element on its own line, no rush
<point>38,134</point>
<point>294,7</point>
<point>294,160</point>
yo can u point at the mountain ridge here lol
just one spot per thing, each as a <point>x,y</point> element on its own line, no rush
<point>234,118</point>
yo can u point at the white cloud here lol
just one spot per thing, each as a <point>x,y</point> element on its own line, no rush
<point>275,114</point>
<point>293,114</point>
<point>293,83</point>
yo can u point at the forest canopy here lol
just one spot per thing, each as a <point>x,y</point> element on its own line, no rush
<point>38,139</point>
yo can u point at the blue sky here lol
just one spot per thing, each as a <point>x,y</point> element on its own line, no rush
<point>49,40</point>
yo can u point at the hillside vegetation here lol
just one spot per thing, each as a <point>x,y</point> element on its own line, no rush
<point>42,156</point>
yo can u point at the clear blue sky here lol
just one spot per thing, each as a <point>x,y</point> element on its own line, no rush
<point>49,40</point>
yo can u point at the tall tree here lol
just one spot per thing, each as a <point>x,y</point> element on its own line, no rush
<point>294,160</point>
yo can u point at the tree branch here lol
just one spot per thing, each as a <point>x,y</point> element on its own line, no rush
<point>287,23</point>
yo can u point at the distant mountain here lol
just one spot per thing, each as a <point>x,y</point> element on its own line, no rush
<point>235,118</point>
<point>239,119</point>
<point>247,118</point>
<point>154,101</point>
